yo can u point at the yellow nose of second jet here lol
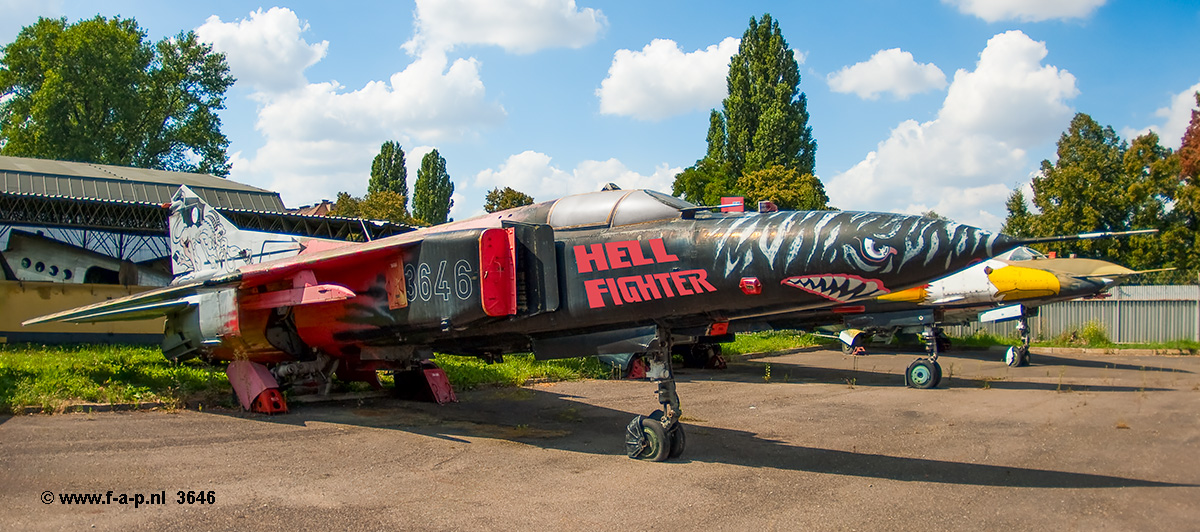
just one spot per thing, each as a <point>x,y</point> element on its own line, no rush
<point>1016,282</point>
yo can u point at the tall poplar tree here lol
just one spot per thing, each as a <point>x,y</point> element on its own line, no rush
<point>388,171</point>
<point>432,190</point>
<point>763,121</point>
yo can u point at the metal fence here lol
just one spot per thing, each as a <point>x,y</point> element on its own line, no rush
<point>1133,314</point>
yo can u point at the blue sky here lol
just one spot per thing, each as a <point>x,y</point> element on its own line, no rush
<point>915,105</point>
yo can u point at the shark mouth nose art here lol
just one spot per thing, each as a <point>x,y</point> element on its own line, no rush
<point>837,287</point>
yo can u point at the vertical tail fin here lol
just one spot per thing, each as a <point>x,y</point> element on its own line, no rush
<point>203,242</point>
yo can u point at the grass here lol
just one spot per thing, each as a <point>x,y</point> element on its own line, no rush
<point>765,342</point>
<point>50,377</point>
<point>466,373</point>
<point>1090,335</point>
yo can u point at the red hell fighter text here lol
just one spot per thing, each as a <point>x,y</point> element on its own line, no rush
<point>635,288</point>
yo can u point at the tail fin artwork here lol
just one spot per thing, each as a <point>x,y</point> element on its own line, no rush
<point>204,243</point>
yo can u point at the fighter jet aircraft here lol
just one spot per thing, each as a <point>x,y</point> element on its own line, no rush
<point>605,272</point>
<point>1010,286</point>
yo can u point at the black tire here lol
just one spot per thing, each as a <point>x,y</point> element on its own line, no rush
<point>678,441</point>
<point>1016,357</point>
<point>658,445</point>
<point>696,355</point>
<point>937,374</point>
<point>848,349</point>
<point>922,374</point>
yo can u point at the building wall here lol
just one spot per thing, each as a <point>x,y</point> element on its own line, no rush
<point>1133,314</point>
<point>22,300</point>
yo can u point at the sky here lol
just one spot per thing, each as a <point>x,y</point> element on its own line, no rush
<point>917,105</point>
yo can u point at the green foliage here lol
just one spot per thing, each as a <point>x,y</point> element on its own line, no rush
<point>388,171</point>
<point>766,342</point>
<point>786,187</point>
<point>1019,222</point>
<point>381,205</point>
<point>52,376</point>
<point>507,198</point>
<point>467,373</point>
<point>1099,183</point>
<point>432,190</point>
<point>97,91</point>
<point>763,122</point>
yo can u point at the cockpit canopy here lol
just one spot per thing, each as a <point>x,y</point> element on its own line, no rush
<point>1021,253</point>
<point>615,208</point>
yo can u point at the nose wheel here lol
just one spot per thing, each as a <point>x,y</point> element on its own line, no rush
<point>925,373</point>
<point>658,436</point>
<point>1019,355</point>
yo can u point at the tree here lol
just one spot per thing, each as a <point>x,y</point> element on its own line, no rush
<point>763,122</point>
<point>1085,190</point>
<point>1019,222</point>
<point>97,91</point>
<point>1099,183</point>
<point>1189,151</point>
<point>388,171</point>
<point>381,205</point>
<point>786,187</point>
<point>507,198</point>
<point>432,190</point>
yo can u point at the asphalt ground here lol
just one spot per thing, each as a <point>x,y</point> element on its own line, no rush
<point>827,442</point>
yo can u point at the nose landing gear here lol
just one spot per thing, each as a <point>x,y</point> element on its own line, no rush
<point>925,373</point>
<point>658,436</point>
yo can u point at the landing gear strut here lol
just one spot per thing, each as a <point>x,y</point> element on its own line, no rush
<point>1019,355</point>
<point>660,435</point>
<point>925,373</point>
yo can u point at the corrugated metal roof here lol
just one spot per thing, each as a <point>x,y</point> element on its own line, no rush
<point>41,177</point>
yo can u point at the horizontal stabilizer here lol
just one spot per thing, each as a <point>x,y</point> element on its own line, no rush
<point>146,305</point>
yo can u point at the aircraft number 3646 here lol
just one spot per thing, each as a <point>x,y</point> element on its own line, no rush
<point>421,282</point>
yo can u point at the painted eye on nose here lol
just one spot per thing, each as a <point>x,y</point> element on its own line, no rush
<point>876,252</point>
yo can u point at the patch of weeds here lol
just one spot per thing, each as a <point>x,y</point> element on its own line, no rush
<point>766,373</point>
<point>765,342</point>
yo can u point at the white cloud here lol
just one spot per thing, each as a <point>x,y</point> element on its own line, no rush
<point>320,138</point>
<point>532,173</point>
<point>891,70</point>
<point>977,145</point>
<point>1176,117</point>
<point>265,50</point>
<point>662,81</point>
<point>518,26</point>
<point>1026,10</point>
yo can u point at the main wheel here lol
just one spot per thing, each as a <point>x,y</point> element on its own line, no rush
<point>1016,356</point>
<point>922,373</point>
<point>848,348</point>
<point>696,355</point>
<point>678,440</point>
<point>658,445</point>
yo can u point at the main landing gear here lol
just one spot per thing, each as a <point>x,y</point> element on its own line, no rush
<point>1019,355</point>
<point>658,436</point>
<point>925,373</point>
